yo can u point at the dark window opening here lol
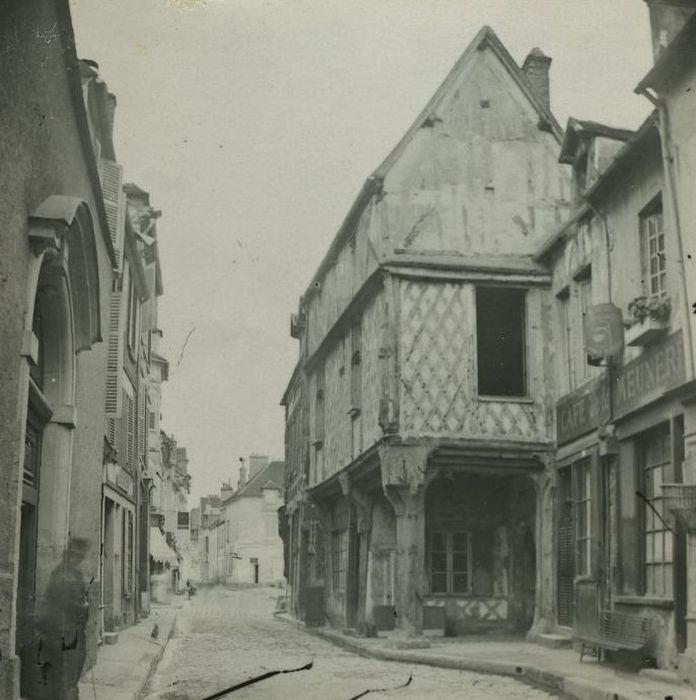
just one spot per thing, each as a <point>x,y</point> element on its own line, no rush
<point>500,321</point>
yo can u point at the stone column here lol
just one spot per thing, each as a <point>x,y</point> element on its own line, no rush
<point>405,480</point>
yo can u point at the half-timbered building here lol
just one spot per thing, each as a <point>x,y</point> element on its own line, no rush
<point>420,414</point>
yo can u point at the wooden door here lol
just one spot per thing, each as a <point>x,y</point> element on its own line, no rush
<point>25,636</point>
<point>566,552</point>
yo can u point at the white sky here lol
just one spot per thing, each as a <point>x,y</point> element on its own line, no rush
<point>253,125</point>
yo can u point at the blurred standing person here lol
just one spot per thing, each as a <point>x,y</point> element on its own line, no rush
<point>61,624</point>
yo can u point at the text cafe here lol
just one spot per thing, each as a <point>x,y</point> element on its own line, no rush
<point>620,437</point>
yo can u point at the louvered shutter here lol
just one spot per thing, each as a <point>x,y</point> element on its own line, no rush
<point>130,433</point>
<point>141,422</point>
<point>114,359</point>
<point>114,203</point>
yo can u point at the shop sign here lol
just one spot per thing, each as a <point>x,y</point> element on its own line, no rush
<point>583,410</point>
<point>604,331</point>
<point>657,370</point>
<point>120,478</point>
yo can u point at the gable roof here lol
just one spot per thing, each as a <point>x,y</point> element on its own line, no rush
<point>272,474</point>
<point>485,38</point>
<point>579,129</point>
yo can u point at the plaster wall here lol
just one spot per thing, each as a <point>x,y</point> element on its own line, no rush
<point>40,137</point>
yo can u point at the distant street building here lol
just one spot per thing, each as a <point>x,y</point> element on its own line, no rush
<point>419,433</point>
<point>239,540</point>
<point>169,520</point>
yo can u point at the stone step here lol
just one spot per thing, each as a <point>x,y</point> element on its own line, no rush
<point>661,674</point>
<point>110,637</point>
<point>551,640</point>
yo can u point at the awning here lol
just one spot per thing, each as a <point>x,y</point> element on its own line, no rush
<point>160,550</point>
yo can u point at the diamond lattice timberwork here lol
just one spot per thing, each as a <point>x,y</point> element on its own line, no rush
<point>438,366</point>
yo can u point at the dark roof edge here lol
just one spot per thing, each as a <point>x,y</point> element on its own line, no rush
<point>74,74</point>
<point>669,62</point>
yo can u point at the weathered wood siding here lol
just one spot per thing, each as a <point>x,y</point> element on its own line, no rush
<point>337,449</point>
<point>481,178</point>
<point>438,370</point>
<point>354,263</point>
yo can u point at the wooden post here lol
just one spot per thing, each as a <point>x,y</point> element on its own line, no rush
<point>405,480</point>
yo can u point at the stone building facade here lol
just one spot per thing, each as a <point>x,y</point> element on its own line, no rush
<point>56,271</point>
<point>418,447</point>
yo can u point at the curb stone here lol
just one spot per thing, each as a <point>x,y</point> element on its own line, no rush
<point>569,686</point>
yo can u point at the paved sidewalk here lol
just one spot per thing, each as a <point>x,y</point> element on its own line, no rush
<point>123,669</point>
<point>554,669</point>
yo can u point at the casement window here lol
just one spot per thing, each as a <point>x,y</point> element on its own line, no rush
<point>356,389</point>
<point>565,337</point>
<point>654,458</point>
<point>339,559</point>
<point>500,342</point>
<point>450,562</point>
<point>582,506</point>
<point>653,249</point>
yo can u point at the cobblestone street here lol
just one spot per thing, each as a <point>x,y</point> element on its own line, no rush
<point>227,636</point>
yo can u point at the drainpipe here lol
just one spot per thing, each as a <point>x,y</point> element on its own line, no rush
<point>668,164</point>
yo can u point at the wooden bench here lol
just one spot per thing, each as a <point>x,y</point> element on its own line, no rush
<point>617,632</point>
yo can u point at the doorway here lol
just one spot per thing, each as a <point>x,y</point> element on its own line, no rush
<point>566,553</point>
<point>26,590</point>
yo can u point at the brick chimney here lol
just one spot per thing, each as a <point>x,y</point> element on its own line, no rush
<point>242,475</point>
<point>667,17</point>
<point>536,70</point>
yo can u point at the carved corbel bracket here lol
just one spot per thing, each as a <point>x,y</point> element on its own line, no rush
<point>405,465</point>
<point>323,514</point>
<point>361,501</point>
<point>45,238</point>
<point>405,476</point>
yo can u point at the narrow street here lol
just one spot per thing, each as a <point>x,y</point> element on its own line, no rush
<point>226,636</point>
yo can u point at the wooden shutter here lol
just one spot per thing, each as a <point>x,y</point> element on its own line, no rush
<point>114,203</point>
<point>142,427</point>
<point>130,434</point>
<point>148,312</point>
<point>114,361</point>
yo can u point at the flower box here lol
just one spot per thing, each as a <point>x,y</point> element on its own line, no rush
<point>646,331</point>
<point>680,500</point>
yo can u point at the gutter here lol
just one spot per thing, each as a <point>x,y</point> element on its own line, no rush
<point>670,180</point>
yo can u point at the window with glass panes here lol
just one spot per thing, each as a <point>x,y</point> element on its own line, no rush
<point>450,562</point>
<point>655,269</point>
<point>657,554</point>
<point>582,503</point>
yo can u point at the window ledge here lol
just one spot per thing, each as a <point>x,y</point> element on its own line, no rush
<point>644,600</point>
<point>506,399</point>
